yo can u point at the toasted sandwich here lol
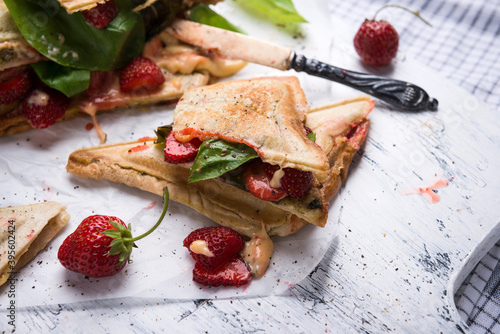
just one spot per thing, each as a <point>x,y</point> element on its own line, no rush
<point>247,131</point>
<point>181,67</point>
<point>25,231</point>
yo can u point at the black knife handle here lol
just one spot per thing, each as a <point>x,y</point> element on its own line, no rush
<point>400,94</point>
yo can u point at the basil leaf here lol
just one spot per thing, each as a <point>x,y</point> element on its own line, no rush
<point>202,13</point>
<point>275,10</point>
<point>312,136</point>
<point>162,133</point>
<point>216,157</point>
<point>69,81</point>
<point>70,40</point>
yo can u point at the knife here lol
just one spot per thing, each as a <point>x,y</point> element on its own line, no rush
<point>400,94</point>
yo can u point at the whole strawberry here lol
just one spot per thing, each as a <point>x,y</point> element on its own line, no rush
<point>101,15</point>
<point>141,72</point>
<point>101,245</point>
<point>213,246</point>
<point>377,42</point>
<point>88,249</point>
<point>43,106</point>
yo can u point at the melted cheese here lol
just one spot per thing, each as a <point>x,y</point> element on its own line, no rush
<point>200,247</point>
<point>276,179</point>
<point>257,253</point>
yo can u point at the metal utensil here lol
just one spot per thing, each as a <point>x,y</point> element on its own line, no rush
<point>400,94</point>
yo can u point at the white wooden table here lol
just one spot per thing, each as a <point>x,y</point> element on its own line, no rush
<point>392,266</point>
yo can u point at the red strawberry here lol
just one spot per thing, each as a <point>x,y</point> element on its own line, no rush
<point>177,152</point>
<point>258,181</point>
<point>376,42</point>
<point>15,88</point>
<point>101,245</point>
<point>87,250</point>
<point>101,15</point>
<point>221,243</point>
<point>141,72</point>
<point>233,273</point>
<point>295,183</point>
<point>44,106</point>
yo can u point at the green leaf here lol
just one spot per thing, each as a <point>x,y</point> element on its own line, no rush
<point>202,13</point>
<point>162,133</point>
<point>276,10</point>
<point>67,80</point>
<point>216,157</point>
<point>312,136</point>
<point>69,40</point>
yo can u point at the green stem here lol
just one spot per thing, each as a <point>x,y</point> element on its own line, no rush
<point>416,13</point>
<point>165,206</point>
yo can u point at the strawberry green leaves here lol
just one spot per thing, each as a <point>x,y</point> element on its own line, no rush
<point>216,157</point>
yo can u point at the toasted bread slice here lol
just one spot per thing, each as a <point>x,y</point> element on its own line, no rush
<point>25,231</point>
<point>267,114</point>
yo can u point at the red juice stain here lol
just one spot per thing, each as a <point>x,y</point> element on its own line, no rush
<point>138,148</point>
<point>429,192</point>
<point>89,126</point>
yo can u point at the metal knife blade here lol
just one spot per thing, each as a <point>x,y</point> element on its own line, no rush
<point>400,94</point>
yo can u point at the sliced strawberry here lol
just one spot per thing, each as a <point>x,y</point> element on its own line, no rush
<point>177,152</point>
<point>44,106</point>
<point>233,273</point>
<point>258,181</point>
<point>221,243</point>
<point>15,88</point>
<point>101,15</point>
<point>296,183</point>
<point>141,72</point>
<point>100,82</point>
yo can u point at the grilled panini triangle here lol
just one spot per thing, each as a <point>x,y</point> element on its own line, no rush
<point>141,164</point>
<point>25,231</point>
<point>267,114</point>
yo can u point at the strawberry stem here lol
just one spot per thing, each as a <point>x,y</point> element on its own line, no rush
<point>122,236</point>
<point>416,13</point>
<point>165,207</point>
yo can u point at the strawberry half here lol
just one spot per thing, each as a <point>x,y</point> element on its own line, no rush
<point>220,244</point>
<point>233,273</point>
<point>15,88</point>
<point>257,182</point>
<point>296,183</point>
<point>376,42</point>
<point>87,249</point>
<point>177,152</point>
<point>101,15</point>
<point>44,106</point>
<point>141,72</point>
